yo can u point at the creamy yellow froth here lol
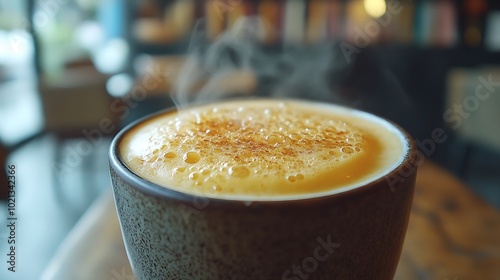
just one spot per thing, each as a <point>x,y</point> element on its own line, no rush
<point>264,148</point>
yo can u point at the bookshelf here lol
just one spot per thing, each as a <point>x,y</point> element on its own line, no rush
<point>426,23</point>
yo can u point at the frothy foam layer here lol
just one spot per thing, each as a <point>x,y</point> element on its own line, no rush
<point>258,149</point>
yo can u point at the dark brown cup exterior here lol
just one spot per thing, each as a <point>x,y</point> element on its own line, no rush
<point>356,234</point>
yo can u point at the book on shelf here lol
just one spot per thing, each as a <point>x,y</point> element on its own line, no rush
<point>294,21</point>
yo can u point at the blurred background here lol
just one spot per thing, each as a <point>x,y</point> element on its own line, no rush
<point>73,72</point>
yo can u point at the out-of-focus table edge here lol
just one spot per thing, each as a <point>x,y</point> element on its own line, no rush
<point>452,234</point>
<point>94,244</point>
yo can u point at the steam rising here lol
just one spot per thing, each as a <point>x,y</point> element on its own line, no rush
<point>237,64</point>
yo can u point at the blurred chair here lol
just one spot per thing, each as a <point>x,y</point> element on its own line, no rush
<point>75,105</point>
<point>76,101</point>
<point>475,110</point>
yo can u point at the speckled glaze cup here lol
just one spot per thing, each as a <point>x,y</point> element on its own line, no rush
<point>356,234</point>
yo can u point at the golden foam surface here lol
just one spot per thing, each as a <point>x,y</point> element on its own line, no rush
<point>256,148</point>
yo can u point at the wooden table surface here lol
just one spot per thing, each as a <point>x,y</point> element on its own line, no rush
<point>452,235</point>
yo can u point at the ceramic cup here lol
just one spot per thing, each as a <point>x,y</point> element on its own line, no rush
<point>356,234</point>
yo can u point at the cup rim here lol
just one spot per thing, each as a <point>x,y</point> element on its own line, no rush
<point>138,183</point>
